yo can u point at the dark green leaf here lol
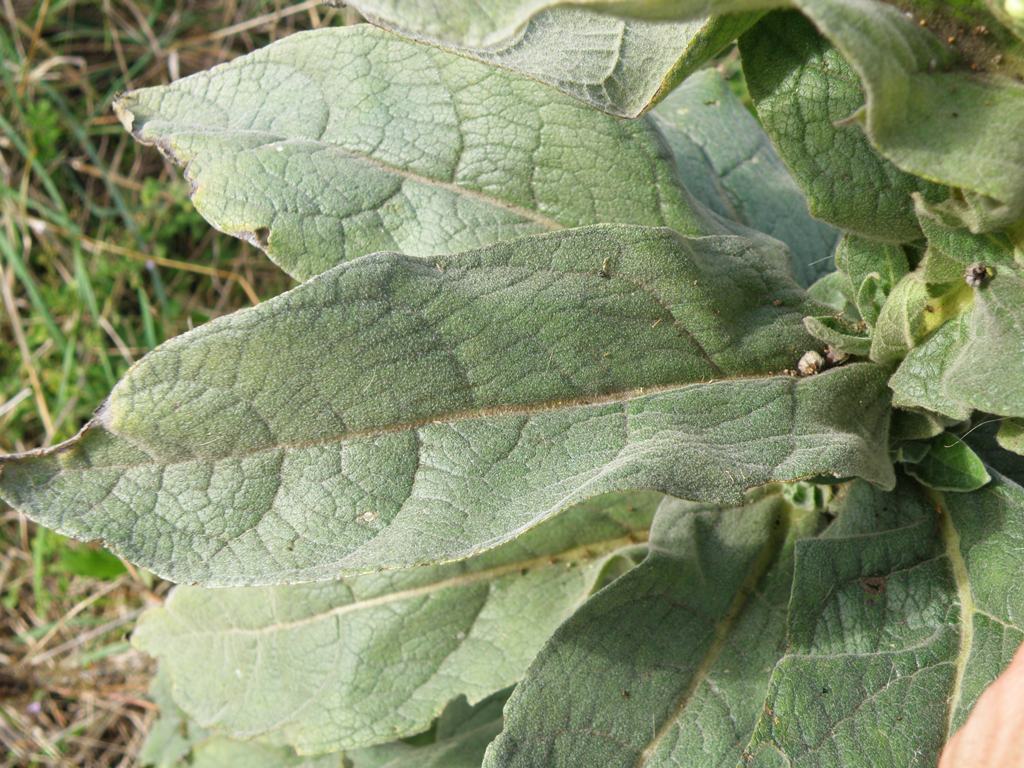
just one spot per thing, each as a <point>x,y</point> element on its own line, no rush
<point>949,465</point>
<point>804,92</point>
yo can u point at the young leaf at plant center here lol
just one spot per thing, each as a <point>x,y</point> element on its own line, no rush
<point>666,666</point>
<point>839,334</point>
<point>804,91</point>
<point>949,464</point>
<point>833,290</point>
<point>462,736</point>
<point>428,411</point>
<point>621,66</point>
<point>914,309</point>
<point>1011,435</point>
<point>359,141</point>
<point>373,658</point>
<point>916,425</point>
<point>970,362</point>
<point>865,263</point>
<point>727,161</point>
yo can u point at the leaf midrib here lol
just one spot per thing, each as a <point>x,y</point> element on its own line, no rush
<point>744,592</point>
<point>103,421</point>
<point>961,576</point>
<point>164,142</point>
<point>583,553</point>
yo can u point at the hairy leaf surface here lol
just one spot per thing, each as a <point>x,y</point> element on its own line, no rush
<point>621,66</point>
<point>332,144</point>
<point>461,737</point>
<point>668,665</point>
<point>898,618</point>
<point>469,23</point>
<point>373,658</point>
<point>727,162</point>
<point>972,361</point>
<point>804,91</point>
<point>395,411</point>
<point>921,614</point>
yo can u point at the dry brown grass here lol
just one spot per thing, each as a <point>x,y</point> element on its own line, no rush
<point>98,263</point>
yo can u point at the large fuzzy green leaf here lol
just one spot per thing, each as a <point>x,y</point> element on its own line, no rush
<point>898,618</point>
<point>669,664</point>
<point>332,144</point>
<point>930,108</point>
<point>373,658</point>
<point>396,411</point>
<point>621,66</point>
<point>727,161</point>
<point>804,91</point>
<point>895,629</point>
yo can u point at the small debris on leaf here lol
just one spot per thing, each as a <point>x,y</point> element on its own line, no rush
<point>976,275</point>
<point>810,363</point>
<point>834,356</point>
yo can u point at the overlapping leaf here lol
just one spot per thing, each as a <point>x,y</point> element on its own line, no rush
<point>373,658</point>
<point>911,681</point>
<point>470,24</point>
<point>457,739</point>
<point>396,411</point>
<point>804,91</point>
<point>461,736</point>
<point>332,144</point>
<point>667,666</point>
<point>621,66</point>
<point>933,113</point>
<point>898,617</point>
<point>727,161</point>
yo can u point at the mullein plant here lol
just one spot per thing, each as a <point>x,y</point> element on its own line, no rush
<point>609,424</point>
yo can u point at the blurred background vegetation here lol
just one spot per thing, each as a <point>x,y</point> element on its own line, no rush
<point>101,258</point>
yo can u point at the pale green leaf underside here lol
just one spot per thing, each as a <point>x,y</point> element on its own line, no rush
<point>897,620</point>
<point>373,658</point>
<point>460,739</point>
<point>174,741</point>
<point>728,163</point>
<point>332,144</point>
<point>1011,435</point>
<point>396,411</point>
<point>621,66</point>
<point>218,752</point>
<point>473,24</point>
